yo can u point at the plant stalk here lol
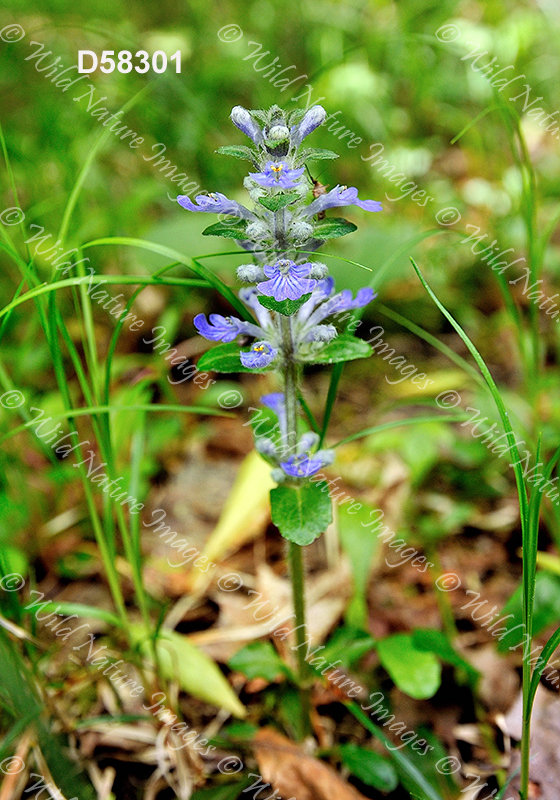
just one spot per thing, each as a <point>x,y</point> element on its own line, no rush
<point>297,571</point>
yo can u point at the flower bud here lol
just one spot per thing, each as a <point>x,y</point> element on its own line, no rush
<point>318,271</point>
<point>266,447</point>
<point>321,333</point>
<point>314,117</point>
<point>278,475</point>
<point>278,133</point>
<point>326,456</point>
<point>250,273</point>
<point>301,231</point>
<point>308,441</point>
<point>257,230</point>
<point>245,122</point>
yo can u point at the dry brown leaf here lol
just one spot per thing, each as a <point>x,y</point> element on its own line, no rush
<point>293,773</point>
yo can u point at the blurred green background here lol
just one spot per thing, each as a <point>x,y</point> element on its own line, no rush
<point>378,64</point>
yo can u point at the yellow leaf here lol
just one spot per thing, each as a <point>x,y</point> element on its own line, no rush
<point>195,672</point>
<point>246,510</point>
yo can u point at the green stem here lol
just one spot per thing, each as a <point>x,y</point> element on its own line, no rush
<point>297,572</point>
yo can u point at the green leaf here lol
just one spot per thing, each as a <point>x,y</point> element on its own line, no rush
<point>88,612</point>
<point>225,358</point>
<point>544,658</point>
<point>413,775</point>
<point>317,154</point>
<point>360,545</point>
<point>195,266</point>
<point>259,660</point>
<point>285,307</point>
<point>195,672</point>
<point>414,671</point>
<point>343,348</point>
<point>348,645</point>
<point>230,792</point>
<point>278,201</point>
<point>369,767</point>
<point>237,151</point>
<point>333,227</point>
<point>435,641</point>
<point>301,513</point>
<point>234,231</point>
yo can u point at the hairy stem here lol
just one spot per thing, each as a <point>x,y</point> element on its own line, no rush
<point>297,571</point>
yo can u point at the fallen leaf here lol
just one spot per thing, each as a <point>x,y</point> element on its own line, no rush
<point>293,773</point>
<point>195,672</point>
<point>246,510</point>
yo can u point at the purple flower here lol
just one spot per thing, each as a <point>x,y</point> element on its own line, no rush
<point>341,196</point>
<point>277,174</point>
<point>215,203</point>
<point>287,280</point>
<point>303,465</point>
<point>223,329</point>
<point>276,402</point>
<point>259,356</point>
<point>245,122</point>
<point>249,296</point>
<point>313,118</point>
<point>343,301</point>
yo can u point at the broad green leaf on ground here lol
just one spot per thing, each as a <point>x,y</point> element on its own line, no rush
<point>435,641</point>
<point>230,792</point>
<point>301,513</point>
<point>416,672</point>
<point>259,660</point>
<point>194,671</point>
<point>369,767</point>
<point>348,645</point>
<point>360,545</point>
